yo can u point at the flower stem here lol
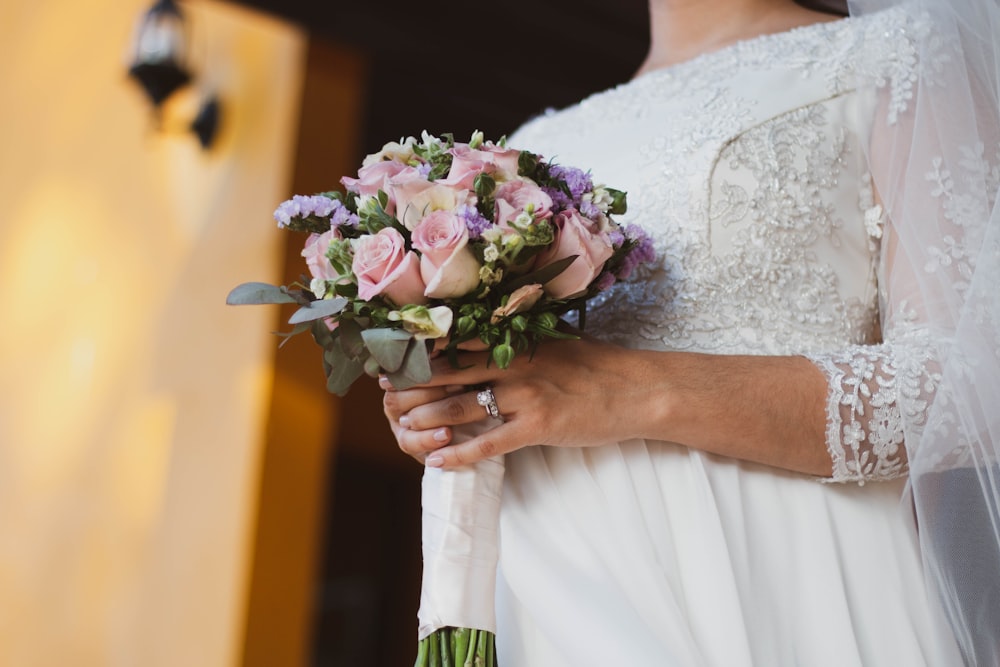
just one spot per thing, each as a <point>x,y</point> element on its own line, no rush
<point>457,647</point>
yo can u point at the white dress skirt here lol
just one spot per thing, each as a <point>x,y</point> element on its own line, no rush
<point>748,167</point>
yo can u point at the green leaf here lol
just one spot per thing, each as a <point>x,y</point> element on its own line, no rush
<point>258,293</point>
<point>318,310</point>
<point>287,335</point>
<point>542,275</point>
<point>343,369</point>
<point>350,337</point>
<point>415,369</point>
<point>388,346</point>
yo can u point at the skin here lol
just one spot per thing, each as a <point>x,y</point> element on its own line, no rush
<point>582,393</point>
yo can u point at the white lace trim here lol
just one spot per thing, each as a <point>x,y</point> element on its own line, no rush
<point>877,399</point>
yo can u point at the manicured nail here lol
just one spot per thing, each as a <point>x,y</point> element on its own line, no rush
<point>383,382</point>
<point>435,461</point>
<point>404,421</point>
<point>441,434</point>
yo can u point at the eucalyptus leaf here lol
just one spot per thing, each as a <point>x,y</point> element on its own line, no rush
<point>258,293</point>
<point>322,334</point>
<point>287,335</point>
<point>318,310</point>
<point>544,274</point>
<point>343,369</point>
<point>388,346</point>
<point>350,337</point>
<point>415,369</point>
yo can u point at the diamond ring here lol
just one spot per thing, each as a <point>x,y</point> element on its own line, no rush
<point>486,399</point>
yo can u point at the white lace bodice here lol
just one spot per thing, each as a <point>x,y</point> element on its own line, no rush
<point>748,168</point>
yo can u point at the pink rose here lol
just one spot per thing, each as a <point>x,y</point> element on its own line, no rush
<point>315,254</point>
<point>376,177</point>
<point>418,197</point>
<point>575,235</point>
<point>516,196</point>
<point>447,266</point>
<point>467,163</point>
<point>384,266</point>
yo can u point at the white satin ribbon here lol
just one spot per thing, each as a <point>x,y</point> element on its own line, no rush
<point>461,541</point>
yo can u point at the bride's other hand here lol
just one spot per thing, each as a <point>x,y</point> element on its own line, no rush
<point>570,393</point>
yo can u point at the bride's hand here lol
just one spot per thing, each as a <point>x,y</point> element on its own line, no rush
<point>570,393</point>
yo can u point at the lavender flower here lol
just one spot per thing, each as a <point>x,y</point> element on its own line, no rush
<point>577,180</point>
<point>642,251</point>
<point>342,216</point>
<point>590,210</point>
<point>303,206</point>
<point>616,237</point>
<point>605,281</point>
<point>474,220</point>
<point>560,200</point>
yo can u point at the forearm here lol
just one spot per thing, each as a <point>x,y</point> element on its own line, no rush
<point>766,409</point>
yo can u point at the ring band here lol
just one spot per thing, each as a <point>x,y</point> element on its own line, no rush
<point>486,399</point>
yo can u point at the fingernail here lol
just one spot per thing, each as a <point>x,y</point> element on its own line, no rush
<point>404,421</point>
<point>383,382</point>
<point>441,434</point>
<point>434,461</point>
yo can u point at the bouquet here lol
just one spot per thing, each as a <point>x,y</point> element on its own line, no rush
<point>437,246</point>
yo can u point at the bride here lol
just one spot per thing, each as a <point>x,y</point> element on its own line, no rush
<point>779,445</point>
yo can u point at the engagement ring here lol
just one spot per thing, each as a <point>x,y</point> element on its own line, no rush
<point>486,399</point>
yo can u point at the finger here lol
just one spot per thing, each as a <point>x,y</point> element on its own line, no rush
<point>396,403</point>
<point>419,443</point>
<point>452,410</point>
<point>501,440</point>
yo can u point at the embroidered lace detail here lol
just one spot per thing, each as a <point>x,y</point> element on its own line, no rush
<point>874,391</point>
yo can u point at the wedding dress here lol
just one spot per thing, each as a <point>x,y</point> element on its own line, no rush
<point>750,168</point>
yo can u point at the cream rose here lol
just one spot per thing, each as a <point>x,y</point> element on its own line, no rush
<point>447,264</point>
<point>418,197</point>
<point>383,266</point>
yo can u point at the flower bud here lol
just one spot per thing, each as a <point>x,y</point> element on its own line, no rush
<point>547,320</point>
<point>519,323</point>
<point>464,325</point>
<point>503,354</point>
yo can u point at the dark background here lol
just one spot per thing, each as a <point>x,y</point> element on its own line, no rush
<point>457,66</point>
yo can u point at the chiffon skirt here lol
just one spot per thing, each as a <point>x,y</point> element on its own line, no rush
<point>647,553</point>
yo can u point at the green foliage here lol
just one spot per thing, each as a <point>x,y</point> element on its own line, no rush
<point>457,647</point>
<point>258,293</point>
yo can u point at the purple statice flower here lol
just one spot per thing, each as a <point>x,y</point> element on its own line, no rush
<point>590,210</point>
<point>342,216</point>
<point>424,169</point>
<point>560,200</point>
<point>640,253</point>
<point>303,206</point>
<point>605,281</point>
<point>475,222</point>
<point>617,238</point>
<point>577,180</point>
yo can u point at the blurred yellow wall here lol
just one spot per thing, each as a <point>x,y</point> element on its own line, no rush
<point>132,400</point>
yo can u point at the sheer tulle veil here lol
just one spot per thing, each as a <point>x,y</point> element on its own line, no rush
<point>934,151</point>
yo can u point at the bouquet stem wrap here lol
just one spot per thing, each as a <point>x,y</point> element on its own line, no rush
<point>461,541</point>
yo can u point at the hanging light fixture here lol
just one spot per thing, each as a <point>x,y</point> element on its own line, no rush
<point>159,59</point>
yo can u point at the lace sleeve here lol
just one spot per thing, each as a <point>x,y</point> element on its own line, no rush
<point>873,391</point>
